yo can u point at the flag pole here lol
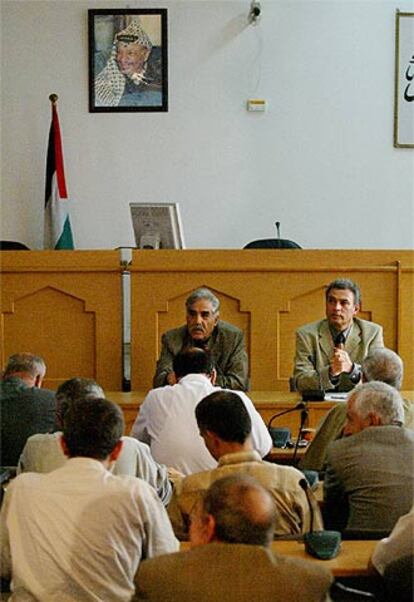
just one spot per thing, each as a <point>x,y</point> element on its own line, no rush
<point>57,228</point>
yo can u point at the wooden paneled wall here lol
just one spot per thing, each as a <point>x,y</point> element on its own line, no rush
<point>269,294</point>
<point>66,307</point>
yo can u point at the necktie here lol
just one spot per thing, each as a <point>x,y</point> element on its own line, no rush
<point>340,340</point>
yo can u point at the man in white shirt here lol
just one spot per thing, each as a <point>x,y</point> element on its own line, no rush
<point>43,452</point>
<point>399,543</point>
<point>79,532</point>
<point>166,419</point>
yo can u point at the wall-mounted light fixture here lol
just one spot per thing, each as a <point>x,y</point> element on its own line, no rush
<point>255,12</point>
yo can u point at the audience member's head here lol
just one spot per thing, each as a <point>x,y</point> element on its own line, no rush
<point>235,509</point>
<point>75,389</point>
<point>373,404</point>
<point>223,422</point>
<point>383,365</point>
<point>92,428</point>
<point>193,361</point>
<point>26,366</point>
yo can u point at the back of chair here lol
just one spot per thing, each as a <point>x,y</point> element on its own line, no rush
<point>399,579</point>
<point>342,593</point>
<point>12,245</point>
<point>367,534</point>
<point>272,243</point>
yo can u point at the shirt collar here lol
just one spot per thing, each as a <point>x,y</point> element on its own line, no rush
<point>239,457</point>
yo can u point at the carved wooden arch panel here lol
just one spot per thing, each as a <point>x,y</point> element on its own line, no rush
<point>56,325</point>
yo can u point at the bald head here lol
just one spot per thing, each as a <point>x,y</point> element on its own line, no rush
<point>239,510</point>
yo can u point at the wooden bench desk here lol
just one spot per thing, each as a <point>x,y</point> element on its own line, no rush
<point>267,404</point>
<point>352,560</point>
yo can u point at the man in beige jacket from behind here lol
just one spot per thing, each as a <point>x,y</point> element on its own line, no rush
<point>225,425</point>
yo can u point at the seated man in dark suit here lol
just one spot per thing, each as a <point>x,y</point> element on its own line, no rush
<point>204,329</point>
<point>231,532</point>
<point>25,408</point>
<point>369,478</point>
<point>329,352</point>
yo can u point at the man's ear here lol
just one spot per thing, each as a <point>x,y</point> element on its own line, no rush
<point>209,528</point>
<point>356,309</point>
<point>213,376</point>
<point>38,380</point>
<point>113,456</point>
<point>373,419</point>
<point>63,445</point>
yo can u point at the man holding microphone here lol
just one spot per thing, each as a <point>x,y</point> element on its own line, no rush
<point>329,352</point>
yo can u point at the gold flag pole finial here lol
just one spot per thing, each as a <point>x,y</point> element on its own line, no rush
<point>53,98</point>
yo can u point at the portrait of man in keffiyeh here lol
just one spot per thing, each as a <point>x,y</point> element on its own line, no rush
<point>131,76</point>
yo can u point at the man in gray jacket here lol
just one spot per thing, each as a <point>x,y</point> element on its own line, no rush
<point>369,478</point>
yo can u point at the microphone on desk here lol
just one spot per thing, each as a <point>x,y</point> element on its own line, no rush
<point>282,435</point>
<point>320,544</point>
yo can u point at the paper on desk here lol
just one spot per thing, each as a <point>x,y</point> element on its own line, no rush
<point>335,396</point>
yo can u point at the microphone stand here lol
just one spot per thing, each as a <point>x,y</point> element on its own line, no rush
<point>303,406</point>
<point>298,406</point>
<point>303,420</point>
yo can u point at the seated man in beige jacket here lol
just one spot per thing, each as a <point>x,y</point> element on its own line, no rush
<point>329,352</point>
<point>230,557</point>
<point>225,425</point>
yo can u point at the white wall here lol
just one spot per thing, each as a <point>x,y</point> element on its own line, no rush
<point>320,159</point>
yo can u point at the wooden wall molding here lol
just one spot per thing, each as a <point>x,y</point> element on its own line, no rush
<point>66,307</point>
<point>267,293</point>
<point>279,290</point>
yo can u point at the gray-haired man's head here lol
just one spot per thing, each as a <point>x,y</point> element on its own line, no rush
<point>383,365</point>
<point>202,314</point>
<point>373,404</point>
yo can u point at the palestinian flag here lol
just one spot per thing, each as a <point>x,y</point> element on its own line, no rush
<point>58,232</point>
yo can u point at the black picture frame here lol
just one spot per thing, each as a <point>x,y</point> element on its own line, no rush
<point>128,60</point>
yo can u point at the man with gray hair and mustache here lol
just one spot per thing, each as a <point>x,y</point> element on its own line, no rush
<point>369,479</point>
<point>204,329</point>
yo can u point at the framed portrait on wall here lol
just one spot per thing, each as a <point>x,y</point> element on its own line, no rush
<point>404,80</point>
<point>128,60</point>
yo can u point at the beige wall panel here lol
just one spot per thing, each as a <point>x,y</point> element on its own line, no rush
<point>54,313</point>
<point>269,294</point>
<point>66,306</point>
